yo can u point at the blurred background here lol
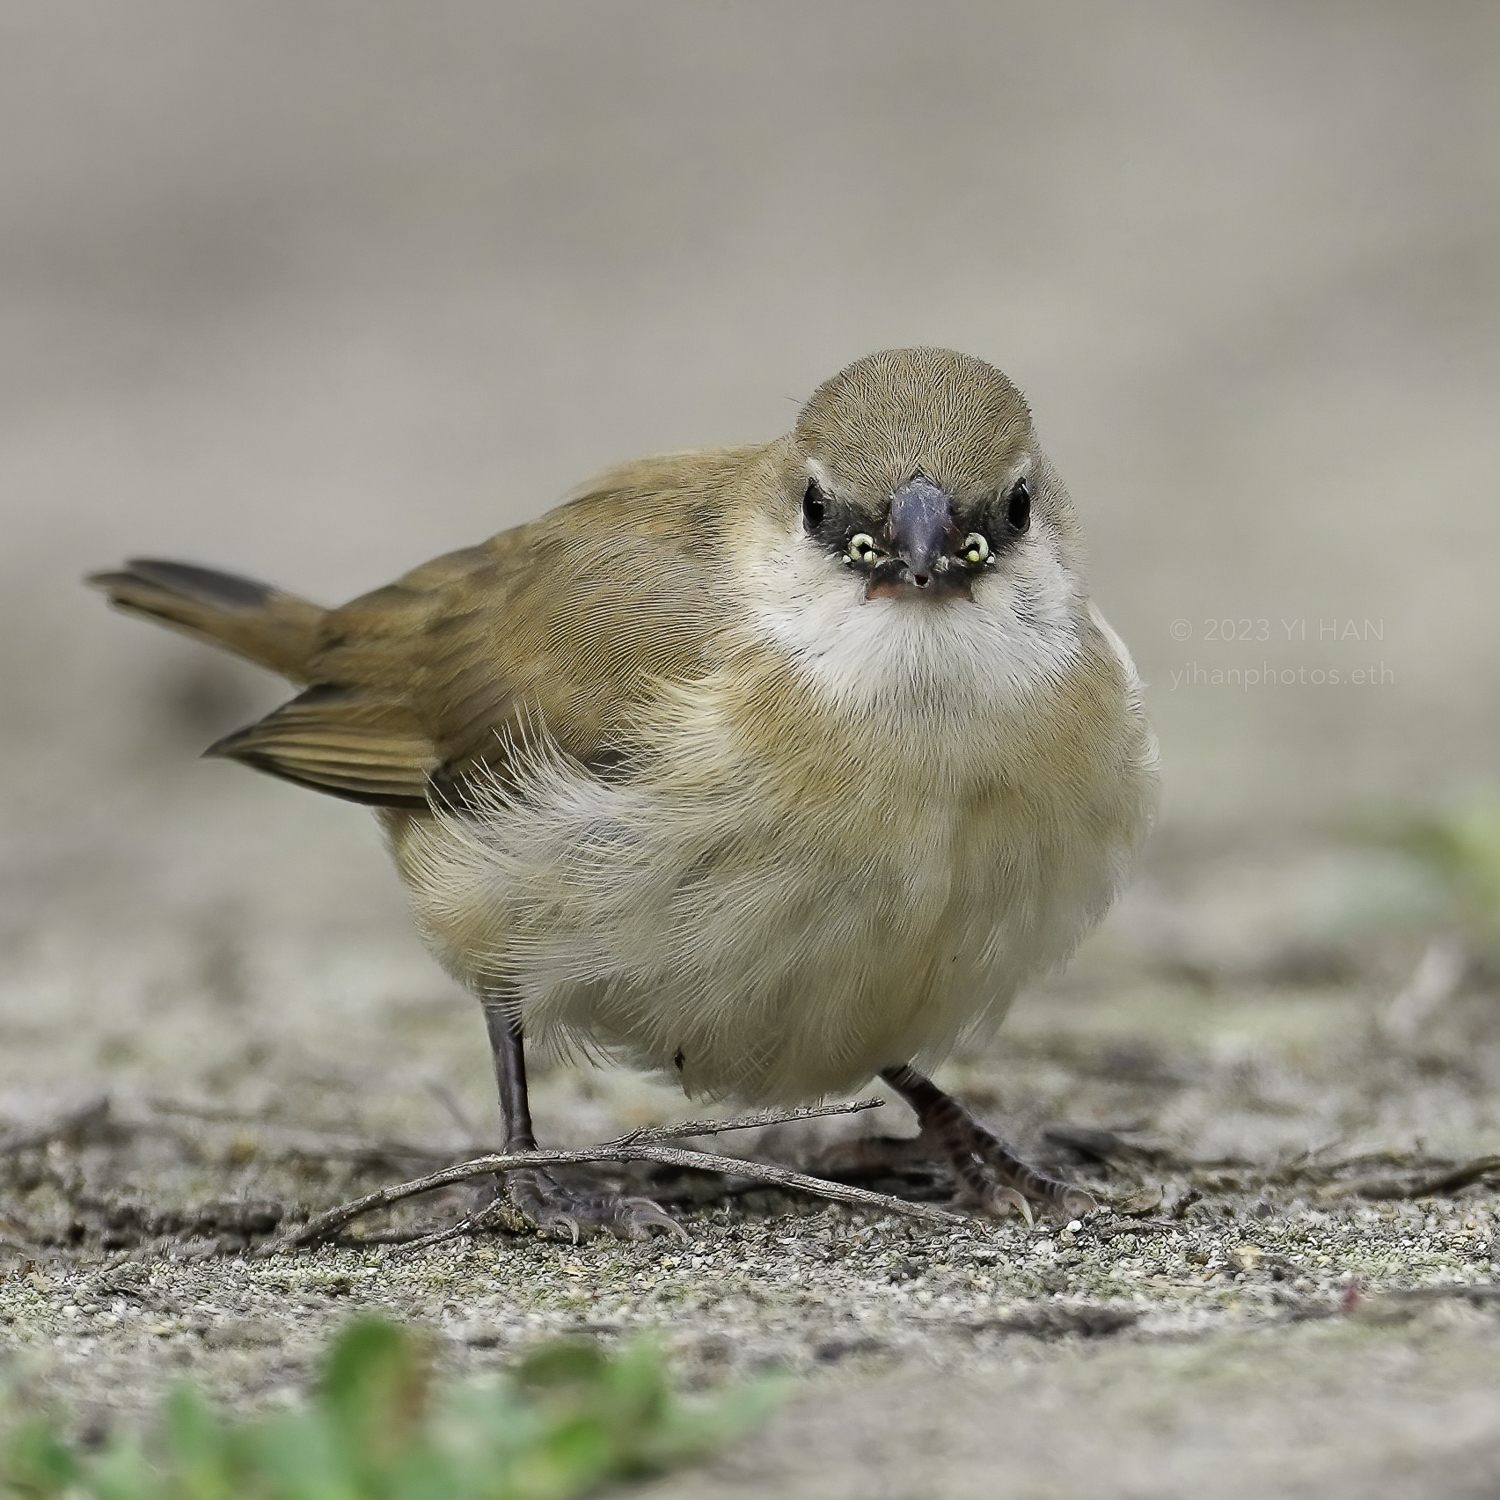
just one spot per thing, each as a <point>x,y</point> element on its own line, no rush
<point>316,289</point>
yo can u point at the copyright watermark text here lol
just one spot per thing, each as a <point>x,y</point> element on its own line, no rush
<point>1192,674</point>
<point>1300,628</point>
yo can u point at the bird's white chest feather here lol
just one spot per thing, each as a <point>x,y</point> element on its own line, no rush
<point>944,657</point>
<point>762,925</point>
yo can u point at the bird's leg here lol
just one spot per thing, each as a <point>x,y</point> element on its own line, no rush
<point>990,1174</point>
<point>548,1204</point>
<point>509,1056</point>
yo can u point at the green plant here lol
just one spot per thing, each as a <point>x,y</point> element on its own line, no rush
<point>570,1419</point>
<point>1459,846</point>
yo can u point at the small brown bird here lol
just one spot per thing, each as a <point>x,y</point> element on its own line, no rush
<point>767,768</point>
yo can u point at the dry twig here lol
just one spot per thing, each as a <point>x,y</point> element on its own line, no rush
<point>685,1128</point>
<point>1454,1180</point>
<point>638,1146</point>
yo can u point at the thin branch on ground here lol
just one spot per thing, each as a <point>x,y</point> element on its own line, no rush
<point>684,1128</point>
<point>486,1218</point>
<point>487,1215</point>
<point>1452,1181</point>
<point>290,1140</point>
<point>320,1226</point>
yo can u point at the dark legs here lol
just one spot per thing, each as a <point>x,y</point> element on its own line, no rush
<point>543,1200</point>
<point>510,1074</point>
<point>991,1176</point>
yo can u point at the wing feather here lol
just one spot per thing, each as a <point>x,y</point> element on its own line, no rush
<point>564,626</point>
<point>335,740</point>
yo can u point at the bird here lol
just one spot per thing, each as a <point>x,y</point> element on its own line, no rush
<point>767,769</point>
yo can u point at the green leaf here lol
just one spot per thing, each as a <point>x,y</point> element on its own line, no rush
<point>1459,845</point>
<point>300,1457</point>
<point>121,1472</point>
<point>571,1419</point>
<point>201,1454</point>
<point>36,1462</point>
<point>375,1383</point>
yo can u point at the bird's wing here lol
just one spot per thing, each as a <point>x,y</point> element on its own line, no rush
<point>342,741</point>
<point>563,627</point>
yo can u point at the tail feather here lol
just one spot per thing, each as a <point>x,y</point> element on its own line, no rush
<point>252,619</point>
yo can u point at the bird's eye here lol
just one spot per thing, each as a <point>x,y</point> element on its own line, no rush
<point>862,548</point>
<point>1018,506</point>
<point>814,505</point>
<point>975,550</point>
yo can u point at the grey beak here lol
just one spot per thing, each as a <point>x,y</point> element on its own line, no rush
<point>921,528</point>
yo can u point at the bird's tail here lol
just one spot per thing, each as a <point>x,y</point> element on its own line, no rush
<point>252,619</point>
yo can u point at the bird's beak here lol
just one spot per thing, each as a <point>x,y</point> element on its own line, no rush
<point>921,531</point>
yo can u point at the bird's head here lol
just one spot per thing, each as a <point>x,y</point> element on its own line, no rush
<point>909,536</point>
<point>916,470</point>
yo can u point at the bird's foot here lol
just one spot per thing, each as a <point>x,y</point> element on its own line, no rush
<point>991,1176</point>
<point>560,1210</point>
<point>994,1179</point>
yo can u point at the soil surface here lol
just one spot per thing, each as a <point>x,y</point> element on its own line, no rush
<point>1295,1277</point>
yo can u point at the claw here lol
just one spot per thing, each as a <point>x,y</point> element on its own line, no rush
<point>1007,1197</point>
<point>995,1199</point>
<point>642,1217</point>
<point>1077,1204</point>
<point>553,1209</point>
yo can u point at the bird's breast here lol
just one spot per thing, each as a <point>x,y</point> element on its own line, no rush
<point>794,883</point>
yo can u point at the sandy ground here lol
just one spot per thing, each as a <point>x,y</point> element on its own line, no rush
<point>1281,1284</point>
<point>318,293</point>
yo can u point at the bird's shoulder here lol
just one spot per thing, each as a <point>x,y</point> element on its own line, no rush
<point>562,624</point>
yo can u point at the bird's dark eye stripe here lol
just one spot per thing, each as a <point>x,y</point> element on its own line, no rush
<point>814,505</point>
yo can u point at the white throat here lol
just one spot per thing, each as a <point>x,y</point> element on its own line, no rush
<point>1015,636</point>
